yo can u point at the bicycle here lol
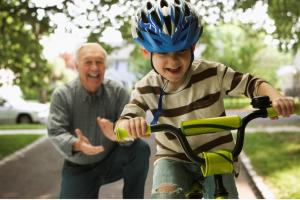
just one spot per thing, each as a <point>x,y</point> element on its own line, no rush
<point>213,163</point>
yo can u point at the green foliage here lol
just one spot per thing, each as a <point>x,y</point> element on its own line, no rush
<point>242,48</point>
<point>286,17</point>
<point>21,28</point>
<point>275,157</point>
<point>23,23</point>
<point>236,102</point>
<point>11,143</point>
<point>139,65</point>
<point>232,45</point>
<point>266,63</point>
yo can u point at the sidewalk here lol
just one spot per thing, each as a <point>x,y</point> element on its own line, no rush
<point>35,173</point>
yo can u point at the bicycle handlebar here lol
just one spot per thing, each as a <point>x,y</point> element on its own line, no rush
<point>207,125</point>
<point>208,160</point>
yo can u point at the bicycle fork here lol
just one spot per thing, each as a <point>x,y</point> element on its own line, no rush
<point>220,191</point>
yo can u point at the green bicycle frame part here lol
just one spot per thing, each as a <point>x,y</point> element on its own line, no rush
<point>205,126</point>
<point>210,125</point>
<point>272,113</point>
<point>217,162</point>
<point>123,135</point>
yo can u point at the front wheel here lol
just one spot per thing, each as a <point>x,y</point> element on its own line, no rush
<point>24,119</point>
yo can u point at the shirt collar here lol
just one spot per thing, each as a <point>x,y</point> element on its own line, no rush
<point>86,96</point>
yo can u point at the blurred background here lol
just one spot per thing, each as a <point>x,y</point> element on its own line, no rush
<point>38,39</point>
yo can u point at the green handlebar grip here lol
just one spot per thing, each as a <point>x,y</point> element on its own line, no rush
<point>272,113</point>
<point>210,125</point>
<point>122,134</point>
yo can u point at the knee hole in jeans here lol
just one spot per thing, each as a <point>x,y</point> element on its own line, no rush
<point>168,188</point>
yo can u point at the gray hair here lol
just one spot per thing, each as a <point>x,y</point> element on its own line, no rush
<point>82,46</point>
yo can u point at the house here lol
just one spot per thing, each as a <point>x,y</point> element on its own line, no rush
<point>118,67</point>
<point>289,77</point>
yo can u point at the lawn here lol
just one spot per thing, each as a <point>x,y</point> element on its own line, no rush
<point>22,126</point>
<point>276,158</point>
<point>236,103</point>
<point>11,143</point>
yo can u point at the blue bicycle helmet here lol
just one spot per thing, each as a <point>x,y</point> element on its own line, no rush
<point>166,26</point>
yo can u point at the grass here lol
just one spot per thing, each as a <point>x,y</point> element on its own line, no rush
<point>276,157</point>
<point>11,143</point>
<point>236,103</point>
<point>22,126</point>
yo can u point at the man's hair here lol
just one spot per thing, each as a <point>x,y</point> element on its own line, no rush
<point>82,46</point>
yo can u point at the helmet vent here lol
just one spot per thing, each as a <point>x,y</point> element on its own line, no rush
<point>139,34</point>
<point>156,18</point>
<point>177,2</point>
<point>187,11</point>
<point>168,24</point>
<point>177,14</point>
<point>149,5</point>
<point>144,17</point>
<point>163,3</point>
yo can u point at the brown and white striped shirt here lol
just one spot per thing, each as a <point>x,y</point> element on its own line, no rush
<point>200,96</point>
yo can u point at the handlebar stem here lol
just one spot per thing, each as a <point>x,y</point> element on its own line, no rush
<point>241,131</point>
<point>182,140</point>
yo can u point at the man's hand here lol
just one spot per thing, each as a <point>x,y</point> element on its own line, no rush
<point>83,145</point>
<point>107,128</point>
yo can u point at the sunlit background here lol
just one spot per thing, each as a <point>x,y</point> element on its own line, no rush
<point>39,37</point>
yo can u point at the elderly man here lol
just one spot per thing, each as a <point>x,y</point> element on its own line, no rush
<point>91,158</point>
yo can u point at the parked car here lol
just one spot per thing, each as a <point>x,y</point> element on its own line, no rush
<point>18,110</point>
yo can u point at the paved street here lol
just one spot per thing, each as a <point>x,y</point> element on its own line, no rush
<point>34,173</point>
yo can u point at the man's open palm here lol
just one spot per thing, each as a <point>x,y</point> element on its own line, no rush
<point>84,145</point>
<point>107,128</point>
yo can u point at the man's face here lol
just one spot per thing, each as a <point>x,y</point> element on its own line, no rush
<point>172,66</point>
<point>91,67</point>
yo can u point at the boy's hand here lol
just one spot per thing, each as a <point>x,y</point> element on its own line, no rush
<point>284,106</point>
<point>136,127</point>
<point>83,145</point>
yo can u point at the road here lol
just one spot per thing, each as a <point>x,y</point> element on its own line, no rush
<point>35,173</point>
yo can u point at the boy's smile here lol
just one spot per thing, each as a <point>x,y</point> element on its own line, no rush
<point>174,70</point>
<point>173,74</point>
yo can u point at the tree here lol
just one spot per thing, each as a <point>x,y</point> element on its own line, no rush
<point>233,45</point>
<point>23,23</point>
<point>140,66</point>
<point>286,16</point>
<point>21,27</point>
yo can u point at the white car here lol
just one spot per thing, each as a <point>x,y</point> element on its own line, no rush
<point>17,110</point>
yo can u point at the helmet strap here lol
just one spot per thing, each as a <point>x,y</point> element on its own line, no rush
<point>151,55</point>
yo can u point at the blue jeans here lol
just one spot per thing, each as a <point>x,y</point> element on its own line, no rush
<point>128,162</point>
<point>182,175</point>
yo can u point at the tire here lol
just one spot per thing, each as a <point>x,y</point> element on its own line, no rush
<point>24,119</point>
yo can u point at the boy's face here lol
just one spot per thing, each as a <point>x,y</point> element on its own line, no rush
<point>172,66</point>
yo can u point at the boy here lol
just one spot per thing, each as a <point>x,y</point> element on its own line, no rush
<point>179,88</point>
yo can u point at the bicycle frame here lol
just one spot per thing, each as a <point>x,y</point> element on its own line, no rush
<point>215,162</point>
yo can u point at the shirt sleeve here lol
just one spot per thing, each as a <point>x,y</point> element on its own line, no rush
<point>123,99</point>
<point>234,83</point>
<point>59,124</point>
<point>136,107</point>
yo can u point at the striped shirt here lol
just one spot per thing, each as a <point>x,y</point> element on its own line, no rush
<point>200,96</point>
